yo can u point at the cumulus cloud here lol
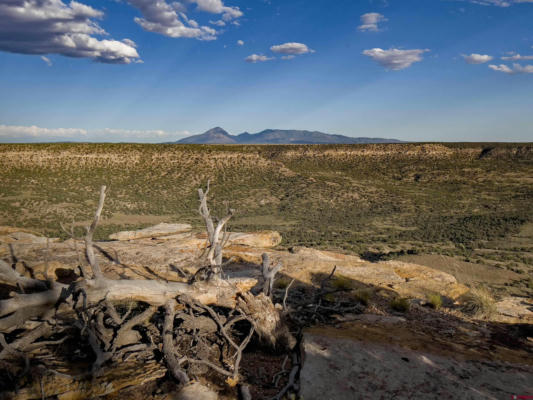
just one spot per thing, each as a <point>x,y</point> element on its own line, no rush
<point>291,48</point>
<point>515,69</point>
<point>170,19</point>
<point>218,7</point>
<point>516,57</point>
<point>477,58</point>
<point>14,133</point>
<point>255,58</point>
<point>53,27</point>
<point>499,3</point>
<point>240,42</point>
<point>370,21</point>
<point>160,17</point>
<point>395,59</point>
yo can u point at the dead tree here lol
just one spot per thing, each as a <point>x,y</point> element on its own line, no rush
<point>269,274</point>
<point>124,323</point>
<point>216,238</point>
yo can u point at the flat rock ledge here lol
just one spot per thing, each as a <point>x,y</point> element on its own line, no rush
<point>156,231</point>
<point>345,369</point>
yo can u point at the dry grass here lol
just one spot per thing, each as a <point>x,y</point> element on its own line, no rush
<point>479,303</point>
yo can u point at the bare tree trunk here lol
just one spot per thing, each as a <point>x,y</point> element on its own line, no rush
<point>269,274</point>
<point>216,242</point>
<point>91,257</point>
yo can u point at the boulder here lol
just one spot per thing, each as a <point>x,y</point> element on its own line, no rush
<point>162,229</point>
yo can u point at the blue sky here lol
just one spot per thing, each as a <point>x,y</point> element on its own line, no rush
<point>152,71</point>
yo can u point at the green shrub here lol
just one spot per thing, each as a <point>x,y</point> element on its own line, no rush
<point>400,304</point>
<point>363,296</point>
<point>282,282</point>
<point>342,283</point>
<point>435,301</point>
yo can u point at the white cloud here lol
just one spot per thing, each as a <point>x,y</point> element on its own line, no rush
<point>129,42</point>
<point>255,58</point>
<point>516,69</point>
<point>218,7</point>
<point>289,57</point>
<point>46,60</point>
<point>170,19</point>
<point>53,27</point>
<point>13,133</point>
<point>160,17</point>
<point>240,42</point>
<point>370,21</point>
<point>35,132</point>
<point>218,23</point>
<point>291,48</point>
<point>395,59</point>
<point>477,58</point>
<point>499,3</point>
<point>516,57</point>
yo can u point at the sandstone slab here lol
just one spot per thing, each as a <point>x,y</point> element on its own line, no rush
<point>515,310</point>
<point>346,369</point>
<point>21,237</point>
<point>162,229</point>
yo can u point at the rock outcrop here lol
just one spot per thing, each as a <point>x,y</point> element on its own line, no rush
<point>10,234</point>
<point>156,231</point>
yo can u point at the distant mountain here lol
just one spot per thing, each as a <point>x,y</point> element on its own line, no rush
<point>277,136</point>
<point>212,136</point>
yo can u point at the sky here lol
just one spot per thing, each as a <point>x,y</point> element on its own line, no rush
<point>160,70</point>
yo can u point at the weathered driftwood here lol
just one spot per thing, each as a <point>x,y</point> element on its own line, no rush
<point>91,311</point>
<point>111,379</point>
<point>217,292</point>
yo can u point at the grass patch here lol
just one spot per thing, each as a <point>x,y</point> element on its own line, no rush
<point>435,301</point>
<point>479,303</point>
<point>400,304</point>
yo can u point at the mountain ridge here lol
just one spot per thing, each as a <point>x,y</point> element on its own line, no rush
<point>218,135</point>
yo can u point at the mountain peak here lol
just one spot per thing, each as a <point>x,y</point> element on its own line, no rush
<point>217,130</point>
<point>215,135</point>
<point>218,135</point>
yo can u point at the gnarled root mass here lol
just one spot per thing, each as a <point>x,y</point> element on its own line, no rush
<point>96,335</point>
